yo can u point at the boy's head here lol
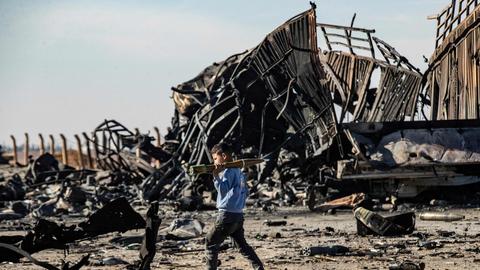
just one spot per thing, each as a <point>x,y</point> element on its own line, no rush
<point>221,153</point>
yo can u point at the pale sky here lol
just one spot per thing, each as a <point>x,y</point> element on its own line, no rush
<point>67,65</point>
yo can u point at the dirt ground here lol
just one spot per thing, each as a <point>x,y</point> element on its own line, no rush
<point>459,250</point>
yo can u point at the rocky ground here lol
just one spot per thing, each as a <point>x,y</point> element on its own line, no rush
<point>445,245</point>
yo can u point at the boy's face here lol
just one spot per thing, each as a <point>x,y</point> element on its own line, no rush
<point>219,158</point>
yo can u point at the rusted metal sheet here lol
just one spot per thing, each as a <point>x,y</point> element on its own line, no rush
<point>251,99</point>
<point>288,63</point>
<point>286,87</point>
<point>454,71</point>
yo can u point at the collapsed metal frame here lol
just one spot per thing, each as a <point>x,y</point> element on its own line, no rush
<point>454,67</point>
<point>111,152</point>
<point>301,85</point>
<point>345,33</point>
<point>283,49</point>
<point>350,74</point>
<point>277,52</point>
<point>107,150</point>
<point>303,99</point>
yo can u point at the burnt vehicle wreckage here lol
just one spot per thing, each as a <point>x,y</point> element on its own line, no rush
<point>353,118</point>
<point>318,117</point>
<point>340,118</point>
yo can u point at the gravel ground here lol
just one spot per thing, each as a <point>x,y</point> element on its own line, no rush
<point>280,247</point>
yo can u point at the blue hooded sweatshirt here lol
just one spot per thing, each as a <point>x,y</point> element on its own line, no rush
<point>232,190</point>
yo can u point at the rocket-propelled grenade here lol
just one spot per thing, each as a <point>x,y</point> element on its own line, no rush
<point>241,163</point>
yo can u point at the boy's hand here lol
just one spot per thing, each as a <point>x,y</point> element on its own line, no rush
<point>218,169</point>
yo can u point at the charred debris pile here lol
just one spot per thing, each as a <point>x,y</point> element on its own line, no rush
<point>329,122</point>
<point>355,116</point>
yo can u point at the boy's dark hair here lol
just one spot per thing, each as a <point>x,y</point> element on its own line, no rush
<point>222,148</point>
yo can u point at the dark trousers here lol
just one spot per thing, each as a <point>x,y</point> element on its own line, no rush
<point>219,233</point>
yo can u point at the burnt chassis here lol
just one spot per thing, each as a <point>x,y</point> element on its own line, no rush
<point>313,81</point>
<point>420,173</point>
<point>401,97</point>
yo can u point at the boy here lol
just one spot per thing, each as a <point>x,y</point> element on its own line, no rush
<point>232,193</point>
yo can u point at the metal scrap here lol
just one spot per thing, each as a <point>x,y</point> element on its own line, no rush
<point>434,216</point>
<point>115,216</point>
<point>148,247</point>
<point>369,222</point>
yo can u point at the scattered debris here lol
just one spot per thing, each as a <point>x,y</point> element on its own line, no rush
<point>65,265</point>
<point>13,190</point>
<point>148,248</point>
<point>350,201</point>
<point>184,229</point>
<point>407,265</point>
<point>3,159</point>
<point>117,215</point>
<point>275,222</point>
<point>275,235</point>
<point>369,222</point>
<point>110,261</point>
<point>430,244</point>
<point>436,216</point>
<point>308,124</point>
<point>445,233</point>
<point>326,250</point>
